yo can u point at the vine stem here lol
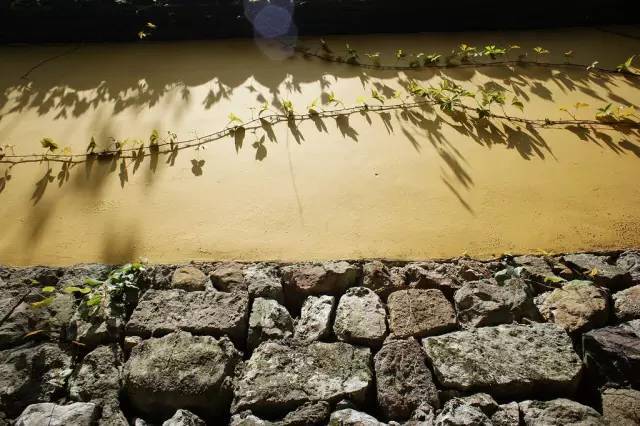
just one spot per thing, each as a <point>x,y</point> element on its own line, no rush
<point>507,63</point>
<point>271,119</point>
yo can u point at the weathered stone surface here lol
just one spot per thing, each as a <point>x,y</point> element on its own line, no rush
<point>184,418</point>
<point>507,415</point>
<point>25,319</point>
<point>351,417</point>
<point>626,304</point>
<point>621,407</point>
<point>474,270</point>
<point>77,274</point>
<point>428,275</point>
<point>506,360</point>
<point>189,278</point>
<point>403,380</point>
<point>309,414</point>
<point>228,277</point>
<point>612,354</point>
<point>98,377</point>
<point>31,374</point>
<point>181,371</point>
<point>313,279</point>
<point>49,414</point>
<point>360,318</point>
<point>424,415</point>
<point>269,320</point>
<point>131,342</point>
<point>482,401</point>
<point>577,307</point>
<point>559,412</point>
<point>420,313</point>
<point>456,412</point>
<point>315,319</point>
<point>485,303</point>
<point>279,378</point>
<point>104,326</point>
<point>39,276</point>
<point>263,281</point>
<point>200,312</point>
<point>599,270</point>
<point>247,419</point>
<point>630,262</point>
<point>382,280</point>
<point>536,269</point>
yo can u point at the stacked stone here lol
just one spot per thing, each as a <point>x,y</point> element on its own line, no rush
<point>520,340</point>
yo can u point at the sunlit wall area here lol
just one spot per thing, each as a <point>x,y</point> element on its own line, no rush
<point>405,183</point>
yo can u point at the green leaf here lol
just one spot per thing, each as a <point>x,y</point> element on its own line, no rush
<point>377,96</point>
<point>94,300</point>
<point>48,289</point>
<point>43,303</point>
<point>91,282</point>
<point>49,144</point>
<point>554,280</point>
<point>74,289</point>
<point>234,118</point>
<point>540,50</point>
<point>153,138</point>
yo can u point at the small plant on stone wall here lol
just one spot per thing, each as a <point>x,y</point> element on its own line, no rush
<point>119,289</point>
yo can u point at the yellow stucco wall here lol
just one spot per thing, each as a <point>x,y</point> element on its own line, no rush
<point>372,187</point>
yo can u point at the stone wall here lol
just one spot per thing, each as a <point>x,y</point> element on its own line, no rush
<point>535,340</point>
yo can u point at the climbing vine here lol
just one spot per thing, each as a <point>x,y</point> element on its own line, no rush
<point>450,97</point>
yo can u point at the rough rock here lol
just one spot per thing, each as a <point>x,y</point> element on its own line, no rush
<point>599,270</point>
<point>184,418</point>
<point>247,419</point>
<point>424,415</point>
<point>34,275</point>
<point>131,342</point>
<point>630,262</point>
<point>95,328</point>
<point>577,307</point>
<point>621,407</point>
<point>269,320</point>
<point>278,378</point>
<point>382,280</point>
<point>484,303</point>
<point>181,371</point>
<point>360,318</point>
<point>433,276</point>
<point>506,360</point>
<point>201,312</point>
<point>420,313</point>
<point>304,280</point>
<point>612,354</point>
<point>309,414</point>
<point>351,417</point>
<point>25,318</point>
<point>263,281</point>
<point>98,377</point>
<point>77,274</point>
<point>456,412</point>
<point>560,412</point>
<point>536,269</point>
<point>228,277</point>
<point>507,415</point>
<point>474,270</point>
<point>626,304</point>
<point>403,380</point>
<point>31,374</point>
<point>482,401</point>
<point>189,278</point>
<point>50,414</point>
<point>315,319</point>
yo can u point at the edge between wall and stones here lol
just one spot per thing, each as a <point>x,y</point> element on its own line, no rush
<point>507,341</point>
